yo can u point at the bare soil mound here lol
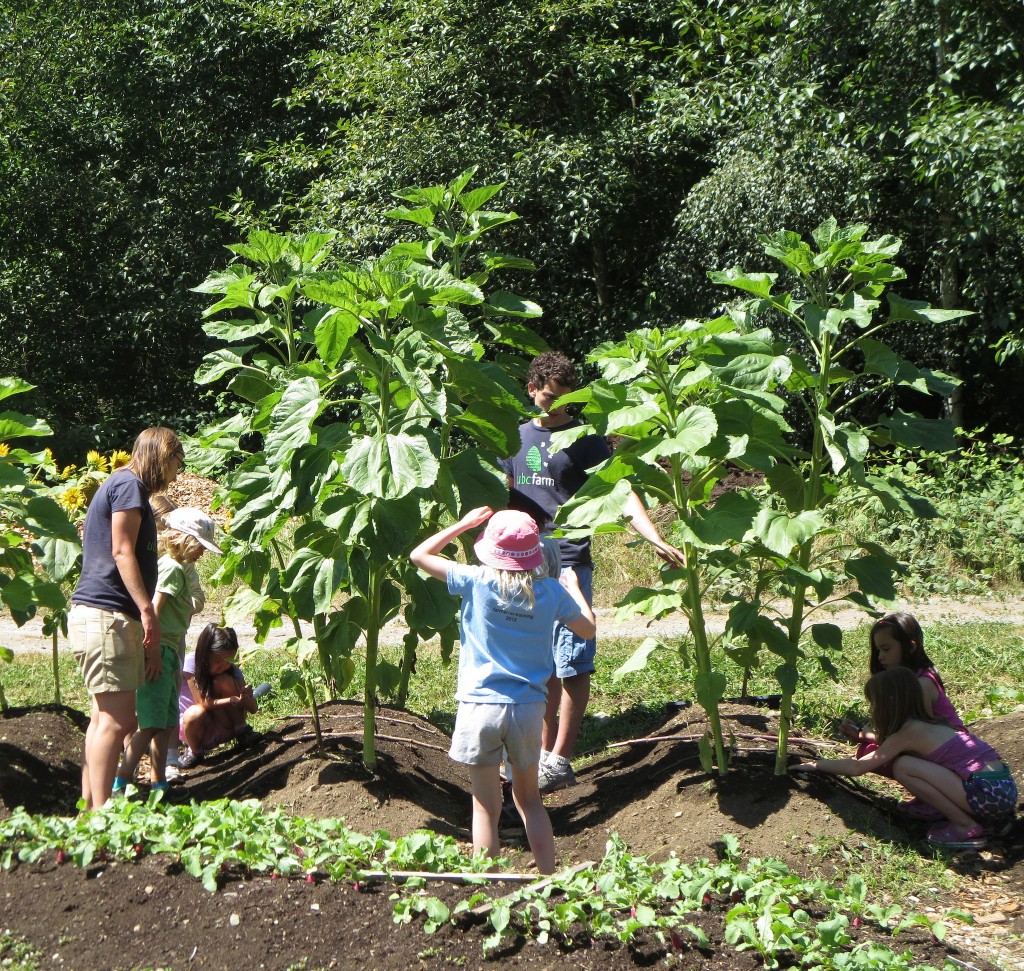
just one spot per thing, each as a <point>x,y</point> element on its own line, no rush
<point>654,794</point>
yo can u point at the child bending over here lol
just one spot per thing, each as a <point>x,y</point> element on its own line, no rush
<point>215,698</point>
<point>509,608</point>
<point>896,640</point>
<point>949,769</point>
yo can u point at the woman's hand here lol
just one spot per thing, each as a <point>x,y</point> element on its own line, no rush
<point>154,662</point>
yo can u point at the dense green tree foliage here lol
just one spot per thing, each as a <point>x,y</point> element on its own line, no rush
<point>643,144</point>
<point>124,126</point>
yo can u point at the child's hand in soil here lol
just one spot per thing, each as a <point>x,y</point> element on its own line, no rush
<point>850,729</point>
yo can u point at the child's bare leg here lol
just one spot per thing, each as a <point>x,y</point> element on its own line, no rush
<point>538,826</point>
<point>486,785</point>
<point>134,751</point>
<point>231,717</point>
<point>193,728</point>
<point>158,755</point>
<point>936,785</point>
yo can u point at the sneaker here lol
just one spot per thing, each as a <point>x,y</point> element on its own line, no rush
<point>949,836</point>
<point>918,809</point>
<point>172,772</point>
<point>552,776</point>
<point>190,759</point>
<point>120,785</point>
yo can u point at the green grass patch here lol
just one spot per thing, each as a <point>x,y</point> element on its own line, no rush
<point>982,665</point>
<point>16,954</point>
<point>890,871</point>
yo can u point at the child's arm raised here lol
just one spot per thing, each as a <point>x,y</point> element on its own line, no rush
<point>426,556</point>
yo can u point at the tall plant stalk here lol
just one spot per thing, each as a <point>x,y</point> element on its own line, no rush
<point>355,381</point>
<point>704,397</point>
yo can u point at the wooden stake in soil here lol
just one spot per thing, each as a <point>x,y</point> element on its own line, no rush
<point>655,739</point>
<point>539,885</point>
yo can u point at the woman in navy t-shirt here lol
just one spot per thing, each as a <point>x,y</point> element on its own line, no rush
<point>112,626</point>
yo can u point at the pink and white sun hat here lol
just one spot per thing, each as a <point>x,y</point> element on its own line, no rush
<point>511,541</point>
<point>195,523</point>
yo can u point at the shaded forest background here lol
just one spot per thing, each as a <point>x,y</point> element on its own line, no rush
<point>642,143</point>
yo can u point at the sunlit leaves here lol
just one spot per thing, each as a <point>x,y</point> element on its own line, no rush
<point>390,466</point>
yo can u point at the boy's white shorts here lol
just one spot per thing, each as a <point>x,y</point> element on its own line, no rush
<point>482,731</point>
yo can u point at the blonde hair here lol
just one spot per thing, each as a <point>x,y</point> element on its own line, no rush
<point>161,504</point>
<point>150,453</point>
<point>177,545</point>
<point>517,585</point>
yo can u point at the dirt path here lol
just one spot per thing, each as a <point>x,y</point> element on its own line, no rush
<point>936,610</point>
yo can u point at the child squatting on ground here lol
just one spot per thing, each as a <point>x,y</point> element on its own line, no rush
<point>509,608</point>
<point>951,770</point>
<point>215,699</point>
<point>186,535</point>
<point>897,641</point>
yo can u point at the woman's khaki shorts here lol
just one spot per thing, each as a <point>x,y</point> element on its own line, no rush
<point>108,648</point>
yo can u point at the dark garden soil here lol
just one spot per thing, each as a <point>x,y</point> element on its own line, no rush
<point>150,914</point>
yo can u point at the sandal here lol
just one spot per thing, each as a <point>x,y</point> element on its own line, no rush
<point>949,836</point>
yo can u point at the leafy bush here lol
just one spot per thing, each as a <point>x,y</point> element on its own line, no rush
<point>976,542</point>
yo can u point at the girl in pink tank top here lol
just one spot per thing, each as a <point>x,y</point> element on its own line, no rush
<point>961,777</point>
<point>898,641</point>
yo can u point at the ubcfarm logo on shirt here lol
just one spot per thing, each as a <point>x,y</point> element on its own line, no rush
<point>534,461</point>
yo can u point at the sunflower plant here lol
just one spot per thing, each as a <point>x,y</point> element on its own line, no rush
<point>691,401</point>
<point>374,400</point>
<point>39,545</point>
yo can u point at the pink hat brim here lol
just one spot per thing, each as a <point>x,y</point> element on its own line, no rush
<point>491,556</point>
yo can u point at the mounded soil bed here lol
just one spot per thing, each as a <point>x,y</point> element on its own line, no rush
<point>151,914</point>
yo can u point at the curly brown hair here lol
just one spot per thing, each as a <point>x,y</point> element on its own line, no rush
<point>552,366</point>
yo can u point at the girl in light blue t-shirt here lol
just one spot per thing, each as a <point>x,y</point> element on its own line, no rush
<point>509,608</point>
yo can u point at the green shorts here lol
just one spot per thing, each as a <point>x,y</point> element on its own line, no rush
<point>156,702</point>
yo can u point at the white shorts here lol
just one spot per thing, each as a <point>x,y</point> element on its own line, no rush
<point>483,731</point>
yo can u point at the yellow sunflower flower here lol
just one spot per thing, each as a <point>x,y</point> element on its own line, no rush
<point>96,461</point>
<point>5,449</point>
<point>69,470</point>
<point>118,459</point>
<point>72,499</point>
